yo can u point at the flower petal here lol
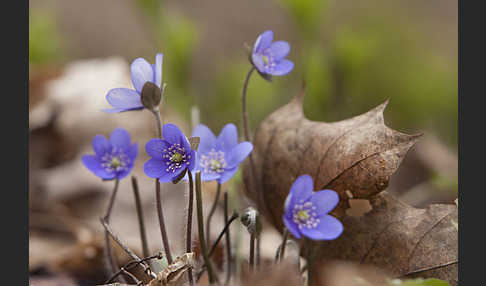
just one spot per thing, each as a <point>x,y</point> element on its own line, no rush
<point>141,73</point>
<point>94,165</point>
<point>158,69</point>
<point>126,171</point>
<point>279,50</point>
<point>154,168</point>
<point>283,68</point>
<point>207,140</point>
<point>263,41</point>
<point>257,60</point>
<point>324,201</point>
<point>192,160</point>
<point>120,138</point>
<point>155,146</point>
<point>172,134</point>
<point>292,227</point>
<point>132,152</point>
<point>228,138</point>
<point>227,174</point>
<point>329,228</point>
<point>208,177</point>
<point>301,189</point>
<point>124,99</point>
<point>101,145</point>
<point>238,154</point>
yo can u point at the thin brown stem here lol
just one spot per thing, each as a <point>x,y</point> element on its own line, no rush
<point>133,263</point>
<point>252,252</point>
<point>228,239</point>
<point>158,121</point>
<point>243,105</point>
<point>141,223</point>
<point>165,240</point>
<point>108,253</point>
<point>284,244</point>
<point>211,212</point>
<point>189,223</point>
<point>200,222</point>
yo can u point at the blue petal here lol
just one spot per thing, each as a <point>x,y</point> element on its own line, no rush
<point>283,68</point>
<point>192,160</point>
<point>158,69</point>
<point>101,145</point>
<point>257,60</point>
<point>155,147</point>
<point>228,138</point>
<point>154,168</point>
<point>238,154</point>
<point>94,165</point>
<point>292,227</point>
<point>279,50</point>
<point>123,99</point>
<point>301,189</point>
<point>126,171</point>
<point>207,140</point>
<point>141,73</point>
<point>172,134</point>
<point>324,201</point>
<point>228,174</point>
<point>120,138</point>
<point>263,41</point>
<point>208,177</point>
<point>132,152</point>
<point>329,228</point>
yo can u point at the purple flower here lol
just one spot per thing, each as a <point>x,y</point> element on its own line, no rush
<point>306,211</point>
<point>268,57</point>
<point>170,156</point>
<point>218,157</point>
<point>113,158</point>
<point>125,99</point>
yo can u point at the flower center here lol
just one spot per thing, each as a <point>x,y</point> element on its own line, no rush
<point>175,158</point>
<point>116,161</point>
<point>213,162</point>
<point>265,59</point>
<point>304,215</point>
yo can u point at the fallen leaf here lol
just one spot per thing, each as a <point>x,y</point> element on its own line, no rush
<point>355,156</point>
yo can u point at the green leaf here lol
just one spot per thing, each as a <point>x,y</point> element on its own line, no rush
<point>419,282</point>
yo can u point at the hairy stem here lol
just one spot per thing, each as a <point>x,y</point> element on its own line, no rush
<point>200,222</point>
<point>189,223</point>
<point>228,239</point>
<point>252,252</point>
<point>284,244</point>
<point>141,222</point>
<point>158,121</point>
<point>210,215</point>
<point>165,240</point>
<point>109,258</point>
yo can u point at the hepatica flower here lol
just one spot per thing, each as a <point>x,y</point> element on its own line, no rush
<point>170,156</point>
<point>113,158</point>
<point>218,157</point>
<point>306,211</point>
<point>269,57</point>
<point>125,99</point>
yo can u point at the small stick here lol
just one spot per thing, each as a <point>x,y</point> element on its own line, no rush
<point>189,223</point>
<point>200,222</point>
<point>141,223</point>
<point>211,212</point>
<point>134,263</point>
<point>125,248</point>
<point>228,238</point>
<point>160,213</point>
<point>131,276</point>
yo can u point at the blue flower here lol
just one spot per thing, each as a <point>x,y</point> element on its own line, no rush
<point>268,57</point>
<point>125,99</point>
<point>306,211</point>
<point>170,156</point>
<point>113,158</point>
<point>218,158</point>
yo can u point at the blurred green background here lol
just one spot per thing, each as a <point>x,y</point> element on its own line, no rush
<point>353,55</point>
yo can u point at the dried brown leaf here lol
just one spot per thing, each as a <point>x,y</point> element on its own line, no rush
<point>357,156</point>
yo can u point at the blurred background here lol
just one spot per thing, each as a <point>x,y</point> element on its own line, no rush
<point>353,55</point>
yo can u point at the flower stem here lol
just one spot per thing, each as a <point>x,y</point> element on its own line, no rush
<point>210,215</point>
<point>228,239</point>
<point>141,223</point>
<point>158,121</point>
<point>309,257</point>
<point>189,223</point>
<point>109,258</point>
<point>252,252</point>
<point>244,111</point>
<point>200,222</point>
<point>284,244</point>
<point>165,240</point>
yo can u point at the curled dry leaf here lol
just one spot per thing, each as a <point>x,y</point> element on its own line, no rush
<point>174,273</point>
<point>356,155</point>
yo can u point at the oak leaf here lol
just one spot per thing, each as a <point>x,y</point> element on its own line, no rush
<point>355,157</point>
